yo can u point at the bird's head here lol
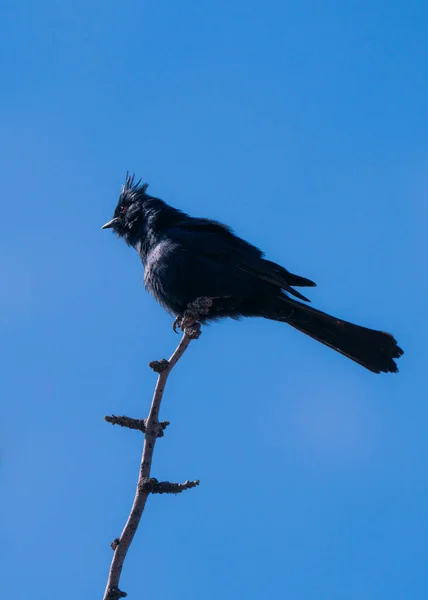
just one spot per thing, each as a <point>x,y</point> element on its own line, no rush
<point>129,211</point>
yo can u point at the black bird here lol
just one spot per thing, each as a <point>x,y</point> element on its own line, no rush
<point>186,258</point>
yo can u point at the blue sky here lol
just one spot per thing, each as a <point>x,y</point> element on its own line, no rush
<point>302,125</point>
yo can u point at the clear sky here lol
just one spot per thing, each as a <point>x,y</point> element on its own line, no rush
<point>303,125</point>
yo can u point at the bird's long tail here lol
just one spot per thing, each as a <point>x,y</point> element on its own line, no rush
<point>374,350</point>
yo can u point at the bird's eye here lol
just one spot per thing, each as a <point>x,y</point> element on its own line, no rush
<point>122,209</point>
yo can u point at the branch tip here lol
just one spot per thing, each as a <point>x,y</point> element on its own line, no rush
<point>193,331</point>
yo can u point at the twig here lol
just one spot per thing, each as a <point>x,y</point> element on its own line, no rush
<point>152,429</point>
<point>138,424</point>
<point>154,486</point>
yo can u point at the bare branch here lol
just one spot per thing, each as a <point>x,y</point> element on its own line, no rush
<point>152,429</point>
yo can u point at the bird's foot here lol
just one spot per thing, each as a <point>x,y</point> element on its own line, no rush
<point>188,324</point>
<point>189,320</point>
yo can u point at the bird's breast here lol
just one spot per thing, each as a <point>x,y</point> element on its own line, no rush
<point>163,270</point>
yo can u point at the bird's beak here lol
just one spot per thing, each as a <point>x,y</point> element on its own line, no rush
<point>110,224</point>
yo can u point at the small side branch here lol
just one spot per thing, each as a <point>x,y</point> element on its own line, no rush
<point>152,429</point>
<point>153,486</point>
<point>137,424</point>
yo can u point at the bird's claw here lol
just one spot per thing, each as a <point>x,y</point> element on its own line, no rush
<point>177,323</point>
<point>184,322</point>
<point>194,310</point>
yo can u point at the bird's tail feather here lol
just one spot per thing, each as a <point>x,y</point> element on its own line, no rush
<point>374,350</point>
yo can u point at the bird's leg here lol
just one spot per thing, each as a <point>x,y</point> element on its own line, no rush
<point>193,312</point>
<point>196,309</point>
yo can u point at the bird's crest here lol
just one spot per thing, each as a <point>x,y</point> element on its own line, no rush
<point>131,188</point>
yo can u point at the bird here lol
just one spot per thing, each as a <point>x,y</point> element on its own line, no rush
<point>186,258</point>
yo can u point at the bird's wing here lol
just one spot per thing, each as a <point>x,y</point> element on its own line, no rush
<point>220,244</point>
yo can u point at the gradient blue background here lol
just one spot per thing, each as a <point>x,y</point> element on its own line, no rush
<point>304,126</point>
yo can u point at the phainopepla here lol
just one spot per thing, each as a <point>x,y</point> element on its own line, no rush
<point>186,258</point>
